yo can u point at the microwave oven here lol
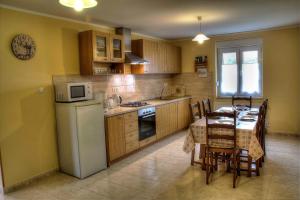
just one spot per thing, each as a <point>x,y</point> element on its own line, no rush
<point>70,92</point>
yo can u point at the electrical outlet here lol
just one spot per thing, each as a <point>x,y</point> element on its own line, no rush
<point>115,89</point>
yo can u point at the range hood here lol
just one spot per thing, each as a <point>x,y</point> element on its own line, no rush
<point>130,58</point>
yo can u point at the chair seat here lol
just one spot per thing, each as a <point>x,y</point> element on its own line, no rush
<point>221,145</point>
<point>223,150</point>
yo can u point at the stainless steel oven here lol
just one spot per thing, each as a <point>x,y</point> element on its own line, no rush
<point>147,125</point>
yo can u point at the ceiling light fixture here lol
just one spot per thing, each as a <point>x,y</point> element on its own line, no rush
<point>200,37</point>
<point>78,5</point>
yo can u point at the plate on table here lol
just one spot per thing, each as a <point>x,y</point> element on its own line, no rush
<point>225,110</point>
<point>248,118</point>
<point>215,117</point>
<point>252,112</point>
<point>241,108</point>
<point>225,121</point>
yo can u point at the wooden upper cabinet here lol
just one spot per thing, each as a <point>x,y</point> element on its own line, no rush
<point>117,53</point>
<point>97,47</point>
<point>163,57</point>
<point>173,61</point>
<point>101,47</point>
<point>150,53</point>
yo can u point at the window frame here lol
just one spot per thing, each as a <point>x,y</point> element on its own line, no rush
<point>238,46</point>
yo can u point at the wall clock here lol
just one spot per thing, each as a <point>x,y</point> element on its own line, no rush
<point>23,46</point>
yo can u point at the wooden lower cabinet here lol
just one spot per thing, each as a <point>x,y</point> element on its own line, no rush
<point>116,136</point>
<point>122,130</point>
<point>132,141</point>
<point>173,115</point>
<point>166,120</point>
<point>162,122</point>
<point>184,116</point>
<point>122,134</point>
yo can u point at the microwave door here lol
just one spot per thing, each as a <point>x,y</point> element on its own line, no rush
<point>77,92</point>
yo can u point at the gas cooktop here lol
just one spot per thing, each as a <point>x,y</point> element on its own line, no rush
<point>134,104</point>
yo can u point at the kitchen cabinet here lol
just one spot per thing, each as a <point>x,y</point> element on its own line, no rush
<point>97,47</point>
<point>116,136</point>
<point>162,121</point>
<point>162,56</point>
<point>166,120</point>
<point>123,133</point>
<point>184,116</point>
<point>131,131</point>
<point>173,59</point>
<point>100,47</point>
<point>117,48</point>
<point>173,115</point>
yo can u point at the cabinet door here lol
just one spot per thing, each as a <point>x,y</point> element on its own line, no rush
<point>150,53</point>
<point>116,136</point>
<point>162,57</point>
<point>183,114</point>
<point>164,118</point>
<point>178,60</point>
<point>173,114</point>
<point>101,47</point>
<point>160,122</point>
<point>117,48</point>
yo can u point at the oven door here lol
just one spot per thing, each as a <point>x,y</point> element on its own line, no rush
<point>147,126</point>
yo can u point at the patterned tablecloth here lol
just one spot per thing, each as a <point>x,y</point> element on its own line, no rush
<point>246,137</point>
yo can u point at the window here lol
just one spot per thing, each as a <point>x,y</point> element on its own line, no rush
<point>239,68</point>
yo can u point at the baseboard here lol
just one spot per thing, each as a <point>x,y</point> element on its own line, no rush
<point>283,133</point>
<point>29,181</point>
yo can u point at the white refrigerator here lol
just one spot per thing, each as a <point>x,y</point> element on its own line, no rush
<point>81,137</point>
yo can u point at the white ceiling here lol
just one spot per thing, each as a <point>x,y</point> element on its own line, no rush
<point>170,19</point>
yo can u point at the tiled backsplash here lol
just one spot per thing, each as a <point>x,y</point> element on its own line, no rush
<point>199,88</point>
<point>142,87</point>
<point>130,87</point>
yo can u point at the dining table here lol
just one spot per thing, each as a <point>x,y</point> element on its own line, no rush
<point>245,132</point>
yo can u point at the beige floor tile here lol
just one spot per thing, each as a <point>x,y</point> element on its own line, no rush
<point>162,171</point>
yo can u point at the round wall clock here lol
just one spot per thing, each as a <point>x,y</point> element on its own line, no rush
<point>23,46</point>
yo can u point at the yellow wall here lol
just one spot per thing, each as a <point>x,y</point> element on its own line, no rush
<point>281,72</point>
<point>27,119</point>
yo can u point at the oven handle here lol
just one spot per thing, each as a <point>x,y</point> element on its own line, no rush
<point>145,116</point>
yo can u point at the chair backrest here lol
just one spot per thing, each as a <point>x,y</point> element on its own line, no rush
<point>260,121</point>
<point>206,106</point>
<point>265,104</point>
<point>264,113</point>
<point>195,111</point>
<point>211,124</point>
<point>246,100</point>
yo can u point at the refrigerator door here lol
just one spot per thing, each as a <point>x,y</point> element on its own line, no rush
<point>91,139</point>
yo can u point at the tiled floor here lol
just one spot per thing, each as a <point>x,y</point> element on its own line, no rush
<point>163,171</point>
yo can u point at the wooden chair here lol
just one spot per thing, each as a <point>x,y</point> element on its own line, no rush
<point>264,128</point>
<point>196,114</point>
<point>212,150</point>
<point>206,107</point>
<point>253,166</point>
<point>195,111</point>
<point>247,100</point>
<point>259,132</point>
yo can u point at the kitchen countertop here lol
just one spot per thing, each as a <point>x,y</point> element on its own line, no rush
<point>154,102</point>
